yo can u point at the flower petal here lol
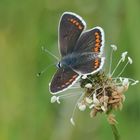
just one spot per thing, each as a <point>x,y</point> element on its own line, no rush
<point>81,106</point>
<point>114,47</point>
<point>130,60</point>
<point>88,100</point>
<point>89,85</point>
<point>123,56</point>
<point>53,99</point>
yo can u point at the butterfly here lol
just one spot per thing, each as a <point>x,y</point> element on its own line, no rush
<point>81,52</point>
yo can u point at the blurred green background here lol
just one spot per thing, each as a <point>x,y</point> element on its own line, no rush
<point>25,108</point>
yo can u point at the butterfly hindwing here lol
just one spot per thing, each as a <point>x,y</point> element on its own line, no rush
<point>63,79</point>
<point>70,28</point>
<point>91,41</point>
<point>90,67</point>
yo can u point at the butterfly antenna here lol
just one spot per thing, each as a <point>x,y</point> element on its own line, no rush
<point>46,50</point>
<point>40,73</point>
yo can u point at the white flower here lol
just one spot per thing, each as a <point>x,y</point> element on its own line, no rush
<point>81,106</point>
<point>114,47</point>
<point>89,85</point>
<point>123,98</point>
<point>91,106</point>
<point>103,108</point>
<point>123,56</point>
<point>84,76</point>
<point>121,79</point>
<point>95,100</point>
<point>58,100</point>
<point>130,60</point>
<point>88,100</point>
<point>120,89</point>
<point>125,82</point>
<point>134,83</point>
<point>72,121</point>
<point>53,99</point>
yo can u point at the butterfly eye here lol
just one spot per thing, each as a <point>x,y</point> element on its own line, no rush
<point>59,65</point>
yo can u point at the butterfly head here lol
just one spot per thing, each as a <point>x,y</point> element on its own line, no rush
<point>59,65</point>
<point>65,63</point>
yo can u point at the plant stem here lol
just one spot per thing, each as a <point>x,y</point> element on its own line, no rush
<point>115,132</point>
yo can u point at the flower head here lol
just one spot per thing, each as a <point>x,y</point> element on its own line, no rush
<point>130,60</point>
<point>124,56</point>
<point>53,99</point>
<point>81,106</point>
<point>88,85</point>
<point>135,82</point>
<point>114,47</point>
<point>102,92</point>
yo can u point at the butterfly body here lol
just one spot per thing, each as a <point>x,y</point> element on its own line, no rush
<point>81,52</point>
<point>73,60</point>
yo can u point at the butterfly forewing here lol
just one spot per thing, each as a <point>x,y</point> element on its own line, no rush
<point>70,28</point>
<point>63,79</point>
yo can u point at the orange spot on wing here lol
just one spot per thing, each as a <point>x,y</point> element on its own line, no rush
<point>70,80</point>
<point>63,86</point>
<point>80,27</point>
<point>97,36</point>
<point>77,23</point>
<point>97,45</point>
<point>96,33</point>
<point>74,21</point>
<point>96,49</point>
<point>97,40</point>
<point>96,64</point>
<point>67,83</point>
<point>71,19</point>
<point>73,77</point>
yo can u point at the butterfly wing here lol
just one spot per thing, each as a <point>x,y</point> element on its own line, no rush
<point>63,79</point>
<point>91,44</point>
<point>90,67</point>
<point>70,28</point>
<point>91,41</point>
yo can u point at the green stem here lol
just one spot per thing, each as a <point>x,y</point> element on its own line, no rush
<point>115,132</point>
